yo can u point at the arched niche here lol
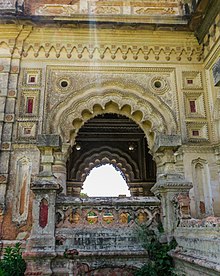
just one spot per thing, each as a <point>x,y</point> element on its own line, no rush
<point>22,189</point>
<point>201,201</point>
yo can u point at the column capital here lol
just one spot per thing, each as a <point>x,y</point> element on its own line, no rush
<point>47,144</point>
<point>171,183</point>
<point>166,142</point>
<point>52,141</point>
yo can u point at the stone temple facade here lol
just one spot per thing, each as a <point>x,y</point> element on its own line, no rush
<point>135,84</point>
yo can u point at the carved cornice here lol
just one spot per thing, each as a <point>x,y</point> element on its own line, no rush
<point>175,185</point>
<point>75,43</point>
<point>24,146</point>
<point>116,51</point>
<point>197,148</point>
<point>207,223</point>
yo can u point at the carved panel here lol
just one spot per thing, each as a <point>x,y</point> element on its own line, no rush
<point>27,131</point>
<point>61,10</point>
<point>197,131</point>
<point>76,79</point>
<point>71,217</point>
<point>202,192</point>
<point>140,82</point>
<point>31,77</point>
<point>194,105</point>
<point>29,103</point>
<point>22,187</point>
<point>104,7</point>
<point>156,11</point>
<point>192,80</point>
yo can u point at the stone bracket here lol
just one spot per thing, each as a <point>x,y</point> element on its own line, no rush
<point>167,142</point>
<point>48,140</point>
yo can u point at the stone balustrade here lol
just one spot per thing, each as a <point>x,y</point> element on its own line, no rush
<point>97,223</point>
<point>95,230</point>
<point>105,212</point>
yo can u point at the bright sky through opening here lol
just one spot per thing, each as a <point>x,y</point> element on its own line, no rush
<point>105,181</point>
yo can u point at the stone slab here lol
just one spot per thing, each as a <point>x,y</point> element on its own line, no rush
<point>48,140</point>
<point>167,141</point>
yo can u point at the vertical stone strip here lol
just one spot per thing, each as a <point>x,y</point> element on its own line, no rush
<point>9,73</point>
<point>59,166</point>
<point>40,248</point>
<point>43,214</point>
<point>170,181</point>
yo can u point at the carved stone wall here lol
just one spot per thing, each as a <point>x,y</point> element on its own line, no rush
<point>159,83</point>
<point>57,72</point>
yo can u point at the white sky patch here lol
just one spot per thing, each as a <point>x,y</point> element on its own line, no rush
<point>105,181</point>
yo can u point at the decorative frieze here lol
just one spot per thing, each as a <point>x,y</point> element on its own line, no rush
<point>107,8</point>
<point>100,216</point>
<point>112,52</point>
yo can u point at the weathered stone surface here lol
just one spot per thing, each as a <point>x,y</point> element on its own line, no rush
<point>198,242</point>
<point>48,140</point>
<point>55,77</point>
<point>167,141</point>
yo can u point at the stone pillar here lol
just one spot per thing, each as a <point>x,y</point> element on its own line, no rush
<point>59,167</point>
<point>40,249</point>
<point>170,180</point>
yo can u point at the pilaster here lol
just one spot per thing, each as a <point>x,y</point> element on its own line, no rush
<point>171,186</point>
<point>59,166</point>
<point>10,61</point>
<point>40,248</point>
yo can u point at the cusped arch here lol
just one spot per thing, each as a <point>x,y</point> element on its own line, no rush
<point>105,156</point>
<point>148,111</point>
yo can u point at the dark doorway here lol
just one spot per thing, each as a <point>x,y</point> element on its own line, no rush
<point>112,139</point>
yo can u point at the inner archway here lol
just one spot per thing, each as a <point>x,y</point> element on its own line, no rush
<point>105,180</point>
<point>116,140</point>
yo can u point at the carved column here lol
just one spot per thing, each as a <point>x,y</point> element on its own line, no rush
<point>170,180</point>
<point>59,167</point>
<point>40,248</point>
